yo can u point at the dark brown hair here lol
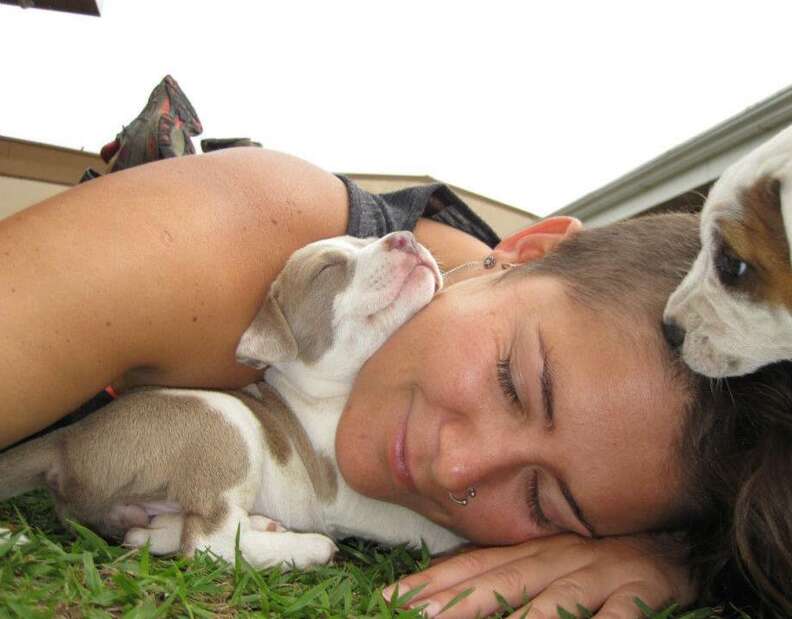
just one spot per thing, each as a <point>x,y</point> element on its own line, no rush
<point>737,444</point>
<point>736,438</point>
<point>629,267</point>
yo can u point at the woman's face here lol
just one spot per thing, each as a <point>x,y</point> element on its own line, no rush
<point>560,417</point>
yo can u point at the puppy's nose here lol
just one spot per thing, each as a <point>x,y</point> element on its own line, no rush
<point>402,241</point>
<point>674,334</point>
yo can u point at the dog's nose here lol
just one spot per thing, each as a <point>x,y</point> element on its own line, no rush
<point>402,241</point>
<point>674,334</point>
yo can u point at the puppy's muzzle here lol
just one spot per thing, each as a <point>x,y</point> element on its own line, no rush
<point>674,334</point>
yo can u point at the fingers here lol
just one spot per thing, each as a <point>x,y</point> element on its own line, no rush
<point>580,589</point>
<point>566,572</point>
<point>513,582</point>
<point>454,570</point>
<point>471,564</point>
<point>584,589</point>
<point>622,604</point>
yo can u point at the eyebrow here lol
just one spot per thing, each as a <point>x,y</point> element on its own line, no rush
<point>547,388</point>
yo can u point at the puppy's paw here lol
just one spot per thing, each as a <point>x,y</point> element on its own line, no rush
<point>136,537</point>
<point>313,549</point>
<point>301,550</point>
<point>163,535</point>
<point>6,535</point>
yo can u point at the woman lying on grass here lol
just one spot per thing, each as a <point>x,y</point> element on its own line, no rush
<point>544,390</point>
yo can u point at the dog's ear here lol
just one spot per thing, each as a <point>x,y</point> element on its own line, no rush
<point>268,339</point>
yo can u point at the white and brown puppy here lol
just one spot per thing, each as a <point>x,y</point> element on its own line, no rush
<point>732,314</point>
<point>185,469</point>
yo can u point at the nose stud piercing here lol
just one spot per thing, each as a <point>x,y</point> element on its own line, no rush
<point>469,494</point>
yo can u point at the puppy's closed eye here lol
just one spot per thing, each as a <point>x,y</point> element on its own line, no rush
<point>325,267</point>
<point>331,262</point>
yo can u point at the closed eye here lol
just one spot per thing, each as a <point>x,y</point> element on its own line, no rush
<point>326,267</point>
<point>535,505</point>
<point>505,381</point>
<point>510,393</point>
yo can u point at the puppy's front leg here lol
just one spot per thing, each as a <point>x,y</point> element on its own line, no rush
<point>262,542</point>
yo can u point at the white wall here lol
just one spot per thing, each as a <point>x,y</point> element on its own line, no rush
<point>18,193</point>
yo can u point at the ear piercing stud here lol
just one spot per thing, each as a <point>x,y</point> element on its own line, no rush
<point>487,264</point>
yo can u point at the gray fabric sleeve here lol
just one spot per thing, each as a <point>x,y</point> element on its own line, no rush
<point>379,214</point>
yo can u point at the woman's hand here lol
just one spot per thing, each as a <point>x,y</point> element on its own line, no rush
<point>563,570</point>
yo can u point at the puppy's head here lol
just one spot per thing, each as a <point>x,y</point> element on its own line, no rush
<point>732,314</point>
<point>336,301</point>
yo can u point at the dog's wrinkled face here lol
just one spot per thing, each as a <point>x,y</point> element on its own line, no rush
<point>732,314</point>
<point>335,302</point>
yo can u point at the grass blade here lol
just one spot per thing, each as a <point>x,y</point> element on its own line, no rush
<point>563,613</point>
<point>309,596</point>
<point>457,599</point>
<point>404,599</point>
<point>90,540</point>
<point>92,579</point>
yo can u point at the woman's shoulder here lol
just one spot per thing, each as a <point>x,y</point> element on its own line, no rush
<point>235,193</point>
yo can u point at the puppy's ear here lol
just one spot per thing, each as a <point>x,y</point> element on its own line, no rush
<point>268,339</point>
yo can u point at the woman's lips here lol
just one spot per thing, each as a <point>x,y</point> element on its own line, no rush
<point>399,464</point>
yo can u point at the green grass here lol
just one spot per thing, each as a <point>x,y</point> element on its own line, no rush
<point>74,573</point>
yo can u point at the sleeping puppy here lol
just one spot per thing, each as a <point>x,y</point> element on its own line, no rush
<point>185,469</point>
<point>732,314</point>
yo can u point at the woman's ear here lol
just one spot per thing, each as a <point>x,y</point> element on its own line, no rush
<point>536,240</point>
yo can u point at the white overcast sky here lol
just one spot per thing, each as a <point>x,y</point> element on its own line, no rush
<point>531,103</point>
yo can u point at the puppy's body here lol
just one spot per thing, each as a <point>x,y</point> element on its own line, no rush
<point>732,314</point>
<point>185,469</point>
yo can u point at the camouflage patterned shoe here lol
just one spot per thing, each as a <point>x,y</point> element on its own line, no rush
<point>163,129</point>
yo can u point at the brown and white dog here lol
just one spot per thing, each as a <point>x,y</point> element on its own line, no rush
<point>732,314</point>
<point>185,469</point>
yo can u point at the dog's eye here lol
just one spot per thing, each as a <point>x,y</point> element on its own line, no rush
<point>326,268</point>
<point>729,267</point>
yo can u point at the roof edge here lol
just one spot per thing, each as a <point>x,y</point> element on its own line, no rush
<point>758,119</point>
<point>55,147</point>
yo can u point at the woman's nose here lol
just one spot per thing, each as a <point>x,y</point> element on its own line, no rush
<point>467,455</point>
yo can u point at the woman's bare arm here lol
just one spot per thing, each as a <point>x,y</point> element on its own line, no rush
<point>150,275</point>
